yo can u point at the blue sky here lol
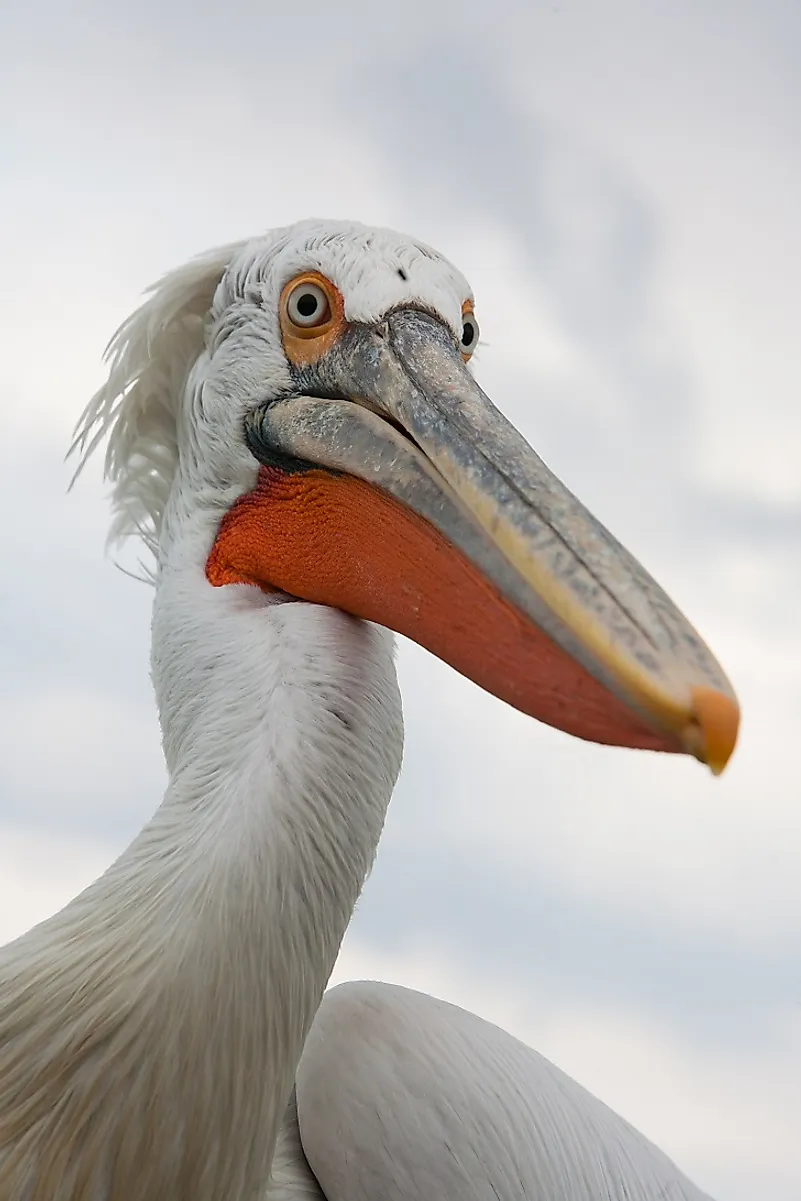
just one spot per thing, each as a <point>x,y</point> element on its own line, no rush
<point>621,185</point>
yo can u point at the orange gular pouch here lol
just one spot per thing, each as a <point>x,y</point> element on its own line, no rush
<point>335,540</point>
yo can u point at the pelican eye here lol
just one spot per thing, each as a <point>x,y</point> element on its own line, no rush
<point>307,306</point>
<point>311,313</point>
<point>469,339</point>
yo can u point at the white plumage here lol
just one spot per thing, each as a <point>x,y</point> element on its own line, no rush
<point>432,1101</point>
<point>150,1033</point>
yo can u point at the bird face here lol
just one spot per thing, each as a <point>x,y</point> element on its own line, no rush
<point>388,485</point>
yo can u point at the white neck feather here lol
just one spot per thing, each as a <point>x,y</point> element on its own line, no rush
<point>150,1031</point>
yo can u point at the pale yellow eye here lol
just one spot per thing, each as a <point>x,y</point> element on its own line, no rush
<point>307,305</point>
<point>312,315</point>
<point>470,332</point>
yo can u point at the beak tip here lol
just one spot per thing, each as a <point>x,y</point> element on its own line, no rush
<point>712,734</point>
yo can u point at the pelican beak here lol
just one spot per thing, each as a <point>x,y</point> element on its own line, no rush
<point>391,487</point>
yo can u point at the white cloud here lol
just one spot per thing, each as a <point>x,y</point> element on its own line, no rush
<point>75,752</point>
<point>714,859</point>
<point>40,874</point>
<point>701,117</point>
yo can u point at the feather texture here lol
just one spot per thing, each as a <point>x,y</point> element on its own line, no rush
<point>136,409</point>
<point>433,1102</point>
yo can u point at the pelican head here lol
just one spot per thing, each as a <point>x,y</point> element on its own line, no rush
<point>330,444</point>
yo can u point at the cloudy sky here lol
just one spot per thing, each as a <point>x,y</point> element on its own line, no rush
<point>621,183</point>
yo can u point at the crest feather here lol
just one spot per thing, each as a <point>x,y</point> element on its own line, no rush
<point>137,408</point>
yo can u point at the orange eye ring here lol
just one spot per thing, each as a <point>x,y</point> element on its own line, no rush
<point>312,316</point>
<point>470,331</point>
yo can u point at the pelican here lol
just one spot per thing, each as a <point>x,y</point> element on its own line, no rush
<point>295,433</point>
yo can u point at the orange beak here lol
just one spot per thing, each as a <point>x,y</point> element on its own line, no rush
<point>392,488</point>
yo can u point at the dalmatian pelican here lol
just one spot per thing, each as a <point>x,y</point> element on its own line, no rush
<point>295,432</point>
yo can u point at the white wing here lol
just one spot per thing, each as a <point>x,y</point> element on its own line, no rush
<point>401,1096</point>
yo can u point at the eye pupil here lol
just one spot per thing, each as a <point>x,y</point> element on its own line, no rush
<point>468,333</point>
<point>308,304</point>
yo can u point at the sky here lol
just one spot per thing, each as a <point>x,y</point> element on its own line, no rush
<point>621,184</point>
